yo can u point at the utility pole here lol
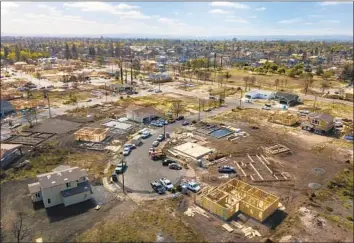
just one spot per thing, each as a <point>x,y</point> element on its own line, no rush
<point>198,109</point>
<point>123,175</point>
<point>131,71</point>
<point>221,61</point>
<point>164,126</point>
<point>121,69</point>
<point>314,103</point>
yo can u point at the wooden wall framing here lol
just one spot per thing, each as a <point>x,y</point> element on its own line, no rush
<point>235,195</point>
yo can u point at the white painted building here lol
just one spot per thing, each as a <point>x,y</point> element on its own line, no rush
<point>260,94</point>
<point>141,114</point>
<point>65,185</point>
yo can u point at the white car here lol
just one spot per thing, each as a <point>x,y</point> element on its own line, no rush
<point>193,186</point>
<point>166,183</point>
<point>126,151</point>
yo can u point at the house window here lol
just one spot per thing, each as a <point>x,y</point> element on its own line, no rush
<point>38,195</point>
<point>316,122</point>
<point>48,200</point>
<point>68,184</point>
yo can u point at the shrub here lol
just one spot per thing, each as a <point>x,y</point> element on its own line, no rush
<point>349,218</point>
<point>194,122</point>
<point>173,190</point>
<point>329,209</point>
<point>179,188</point>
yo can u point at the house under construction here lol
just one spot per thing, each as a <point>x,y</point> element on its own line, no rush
<point>235,195</point>
<point>283,118</point>
<point>91,134</point>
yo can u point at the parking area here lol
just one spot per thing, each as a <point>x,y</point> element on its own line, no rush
<point>142,170</point>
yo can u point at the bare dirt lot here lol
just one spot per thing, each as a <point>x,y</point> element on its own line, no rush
<point>312,164</point>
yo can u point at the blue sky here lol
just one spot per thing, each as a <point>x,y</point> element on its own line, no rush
<point>187,19</point>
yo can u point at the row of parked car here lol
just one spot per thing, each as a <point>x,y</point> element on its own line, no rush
<point>162,122</point>
<point>164,184</point>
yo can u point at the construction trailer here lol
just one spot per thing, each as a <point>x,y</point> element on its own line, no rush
<point>234,196</point>
<point>283,118</point>
<point>91,134</point>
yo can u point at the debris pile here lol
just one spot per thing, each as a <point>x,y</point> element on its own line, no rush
<point>249,231</point>
<point>195,209</point>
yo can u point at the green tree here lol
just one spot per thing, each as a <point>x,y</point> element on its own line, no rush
<point>74,52</point>
<point>17,53</point>
<point>100,60</point>
<point>327,75</point>
<point>319,71</point>
<point>6,52</point>
<point>324,85</point>
<point>347,73</point>
<point>281,70</point>
<point>67,55</point>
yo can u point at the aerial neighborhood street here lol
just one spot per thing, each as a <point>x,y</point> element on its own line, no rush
<point>184,136</point>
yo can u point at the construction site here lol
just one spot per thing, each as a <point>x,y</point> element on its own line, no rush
<point>260,177</point>
<point>233,196</point>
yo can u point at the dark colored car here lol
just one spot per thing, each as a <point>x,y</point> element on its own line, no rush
<point>180,118</point>
<point>166,162</point>
<point>226,169</point>
<point>158,187</point>
<point>175,166</point>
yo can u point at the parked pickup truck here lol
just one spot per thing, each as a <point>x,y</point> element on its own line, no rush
<point>159,155</point>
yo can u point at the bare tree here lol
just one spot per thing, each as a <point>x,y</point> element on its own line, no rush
<point>253,80</point>
<point>177,107</point>
<point>308,81</point>
<point>276,83</point>
<point>19,229</point>
<point>220,79</point>
<point>227,76</point>
<point>246,80</point>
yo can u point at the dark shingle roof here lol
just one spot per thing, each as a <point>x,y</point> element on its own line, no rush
<point>322,116</point>
<point>81,187</point>
<point>287,96</point>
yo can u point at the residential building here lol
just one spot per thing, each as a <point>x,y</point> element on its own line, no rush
<point>121,87</point>
<point>141,114</point>
<point>287,98</point>
<point>260,94</point>
<point>319,123</point>
<point>6,107</point>
<point>9,152</point>
<point>19,65</point>
<point>64,185</point>
<point>159,77</point>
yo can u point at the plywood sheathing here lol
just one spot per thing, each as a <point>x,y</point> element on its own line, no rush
<point>90,134</point>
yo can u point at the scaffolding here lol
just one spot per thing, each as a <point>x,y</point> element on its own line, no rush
<point>234,196</point>
<point>90,134</point>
